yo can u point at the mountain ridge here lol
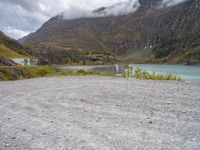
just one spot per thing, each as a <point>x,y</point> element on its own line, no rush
<point>146,36</point>
<point>10,48</point>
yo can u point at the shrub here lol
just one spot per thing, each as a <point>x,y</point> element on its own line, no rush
<point>83,73</point>
<point>142,74</point>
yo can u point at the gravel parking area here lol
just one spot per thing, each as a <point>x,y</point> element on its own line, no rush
<point>99,113</point>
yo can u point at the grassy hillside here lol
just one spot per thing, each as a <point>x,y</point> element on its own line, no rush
<point>6,52</point>
<point>10,43</point>
<point>10,48</point>
<point>23,72</point>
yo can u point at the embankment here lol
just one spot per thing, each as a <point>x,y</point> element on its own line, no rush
<point>23,72</point>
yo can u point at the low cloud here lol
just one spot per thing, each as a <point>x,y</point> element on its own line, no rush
<point>21,17</point>
<point>120,8</point>
<point>75,12</point>
<point>15,32</point>
<point>169,3</point>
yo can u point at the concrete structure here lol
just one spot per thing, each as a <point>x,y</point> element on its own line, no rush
<point>117,68</point>
<point>26,61</point>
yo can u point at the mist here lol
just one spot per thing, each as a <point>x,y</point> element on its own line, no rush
<point>169,3</point>
<point>120,8</point>
<point>30,15</point>
<point>75,12</point>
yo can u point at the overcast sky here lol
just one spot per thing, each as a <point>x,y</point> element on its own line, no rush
<point>20,17</point>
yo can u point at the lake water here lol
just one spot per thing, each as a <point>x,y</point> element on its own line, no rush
<point>187,73</point>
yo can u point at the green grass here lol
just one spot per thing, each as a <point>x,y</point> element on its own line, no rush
<point>27,72</point>
<point>145,75</point>
<point>23,72</point>
<point>6,52</point>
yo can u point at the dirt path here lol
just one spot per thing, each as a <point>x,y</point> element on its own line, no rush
<point>69,113</point>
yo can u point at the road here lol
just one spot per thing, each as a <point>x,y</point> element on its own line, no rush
<point>99,113</point>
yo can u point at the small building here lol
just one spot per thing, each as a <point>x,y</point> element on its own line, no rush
<point>34,61</point>
<point>26,61</point>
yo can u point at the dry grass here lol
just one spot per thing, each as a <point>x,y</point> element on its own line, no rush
<point>6,52</point>
<point>142,74</point>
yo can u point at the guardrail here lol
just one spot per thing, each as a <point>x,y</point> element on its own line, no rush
<point>117,68</point>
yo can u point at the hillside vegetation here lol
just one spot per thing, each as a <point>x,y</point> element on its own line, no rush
<point>10,48</point>
<point>6,52</point>
<point>24,72</point>
<point>10,43</point>
<point>147,75</point>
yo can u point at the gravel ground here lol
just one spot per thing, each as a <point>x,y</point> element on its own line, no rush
<point>100,113</point>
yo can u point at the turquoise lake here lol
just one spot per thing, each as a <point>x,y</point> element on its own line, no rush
<point>189,74</point>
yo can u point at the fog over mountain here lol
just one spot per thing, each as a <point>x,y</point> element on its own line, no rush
<point>20,17</point>
<point>154,31</point>
<point>121,8</point>
<point>172,2</point>
<point>30,15</point>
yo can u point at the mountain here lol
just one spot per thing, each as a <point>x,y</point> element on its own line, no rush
<point>9,42</point>
<point>150,31</point>
<point>122,8</point>
<point>10,48</point>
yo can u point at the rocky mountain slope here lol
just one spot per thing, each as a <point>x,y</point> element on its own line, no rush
<point>153,31</point>
<point>10,48</point>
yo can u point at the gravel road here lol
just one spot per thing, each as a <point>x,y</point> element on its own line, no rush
<point>99,113</point>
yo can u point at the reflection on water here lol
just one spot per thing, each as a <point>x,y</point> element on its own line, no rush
<point>187,73</point>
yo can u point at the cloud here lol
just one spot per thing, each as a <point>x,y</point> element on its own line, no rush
<point>20,17</point>
<point>169,3</point>
<point>120,8</point>
<point>15,32</point>
<point>75,12</point>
